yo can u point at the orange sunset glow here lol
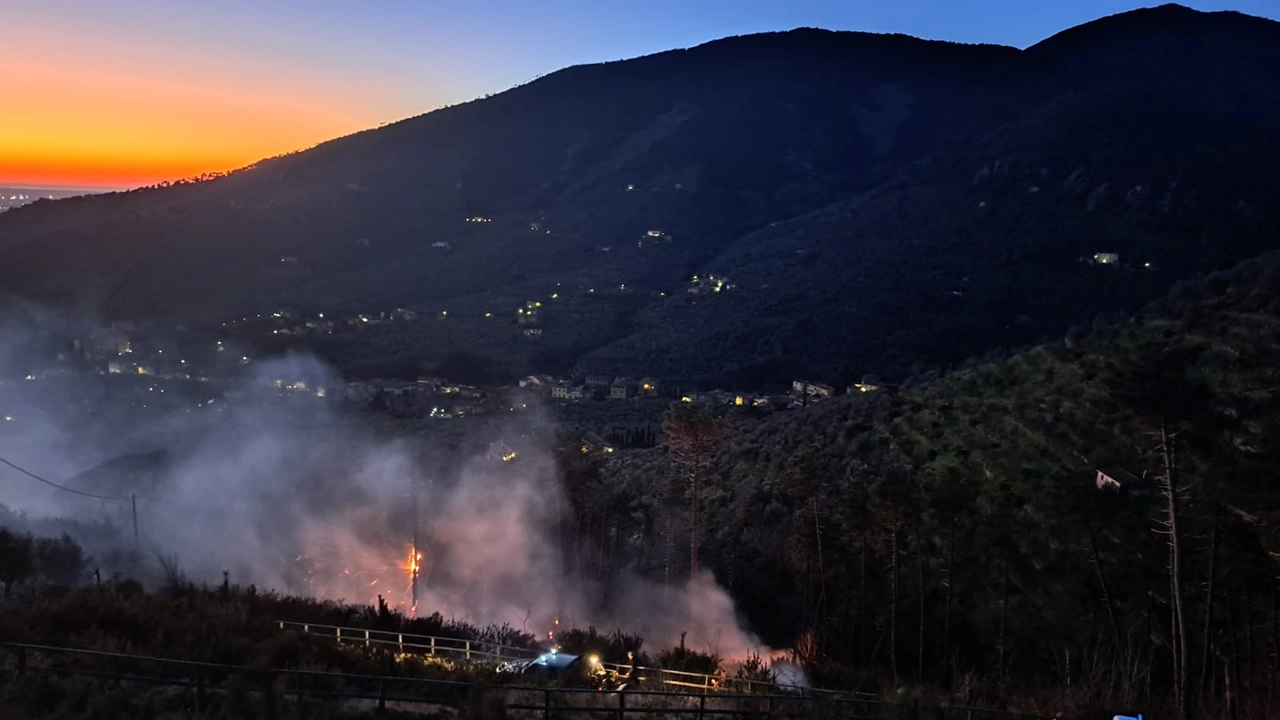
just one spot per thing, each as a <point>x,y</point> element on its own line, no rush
<point>138,92</point>
<point>89,129</point>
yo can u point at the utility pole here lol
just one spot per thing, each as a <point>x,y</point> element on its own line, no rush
<point>415,561</point>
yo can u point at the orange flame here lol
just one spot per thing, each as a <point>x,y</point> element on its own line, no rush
<point>412,565</point>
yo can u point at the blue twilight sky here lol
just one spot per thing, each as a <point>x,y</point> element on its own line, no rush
<point>284,74</point>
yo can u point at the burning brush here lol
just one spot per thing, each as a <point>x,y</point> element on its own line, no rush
<point>413,567</point>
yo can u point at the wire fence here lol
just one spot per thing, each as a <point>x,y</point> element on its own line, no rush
<point>546,703</point>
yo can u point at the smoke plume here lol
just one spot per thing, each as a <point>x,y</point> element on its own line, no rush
<point>290,493</point>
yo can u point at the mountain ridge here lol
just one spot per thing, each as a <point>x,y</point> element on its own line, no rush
<point>712,146</point>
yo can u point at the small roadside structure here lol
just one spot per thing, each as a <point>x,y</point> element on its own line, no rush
<point>1121,481</point>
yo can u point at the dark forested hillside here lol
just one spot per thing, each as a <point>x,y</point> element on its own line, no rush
<point>955,529</point>
<point>714,141</point>
<point>985,247</point>
<point>902,203</point>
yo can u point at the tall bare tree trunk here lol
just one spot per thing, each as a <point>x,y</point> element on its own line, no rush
<point>1178,624</point>
<point>1229,684</point>
<point>693,437</point>
<point>1102,582</point>
<point>1275,640</point>
<point>1004,618</point>
<point>920,589</point>
<point>862,602</point>
<point>667,542</point>
<point>695,521</point>
<point>1231,664</point>
<point>1208,609</point>
<point>822,573</point>
<point>946,622</point>
<point>1246,680</point>
<point>893,608</point>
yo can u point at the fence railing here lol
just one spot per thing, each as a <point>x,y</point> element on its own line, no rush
<point>451,648</point>
<point>206,678</point>
<point>474,651</point>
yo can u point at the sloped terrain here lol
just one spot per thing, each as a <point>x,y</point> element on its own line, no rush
<point>986,247</point>
<point>715,140</point>
<point>954,528</point>
<point>879,203</point>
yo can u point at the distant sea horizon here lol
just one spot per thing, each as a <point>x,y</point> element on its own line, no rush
<point>59,189</point>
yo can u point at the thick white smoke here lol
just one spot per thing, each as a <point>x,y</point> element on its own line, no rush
<point>299,497</point>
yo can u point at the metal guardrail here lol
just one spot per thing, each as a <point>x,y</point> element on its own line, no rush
<point>207,678</point>
<point>480,651</point>
<point>455,648</point>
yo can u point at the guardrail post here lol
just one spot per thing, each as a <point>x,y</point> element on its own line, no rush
<point>282,625</point>
<point>622,705</point>
<point>366,638</point>
<point>306,628</point>
<point>769,711</point>
<point>433,646</point>
<point>702,707</point>
<point>546,704</point>
<point>468,650</point>
<point>400,641</point>
<point>338,634</point>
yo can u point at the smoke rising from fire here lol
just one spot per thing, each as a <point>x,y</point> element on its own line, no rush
<point>293,495</point>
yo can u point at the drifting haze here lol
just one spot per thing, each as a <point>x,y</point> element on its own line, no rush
<point>294,496</point>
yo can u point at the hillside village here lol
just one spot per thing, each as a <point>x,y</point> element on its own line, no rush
<point>207,372</point>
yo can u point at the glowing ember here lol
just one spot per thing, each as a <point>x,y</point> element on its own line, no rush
<point>413,567</point>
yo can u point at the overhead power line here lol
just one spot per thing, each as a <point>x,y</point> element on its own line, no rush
<point>51,483</point>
